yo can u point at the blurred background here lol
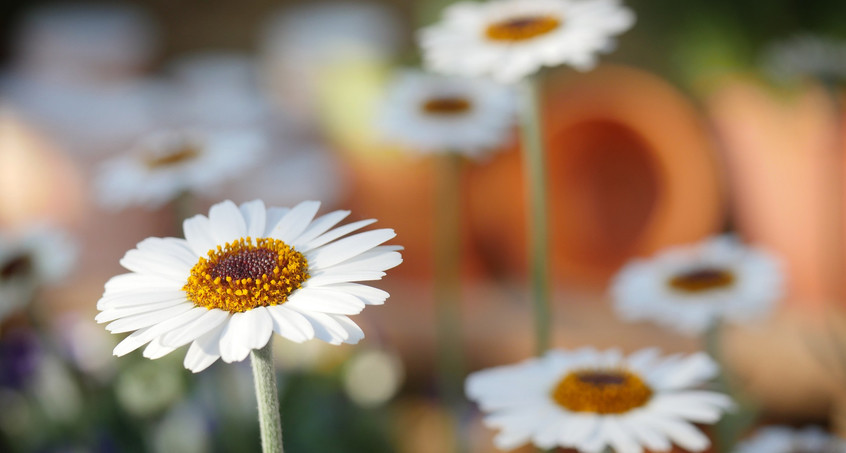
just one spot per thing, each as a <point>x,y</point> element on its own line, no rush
<point>705,120</point>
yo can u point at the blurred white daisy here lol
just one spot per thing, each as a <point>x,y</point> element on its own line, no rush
<point>689,288</point>
<point>40,256</point>
<point>243,273</point>
<point>167,163</point>
<point>804,56</point>
<point>782,439</point>
<point>510,39</point>
<point>434,113</point>
<point>588,399</point>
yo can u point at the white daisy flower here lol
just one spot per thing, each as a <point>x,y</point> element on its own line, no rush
<point>434,113</point>
<point>510,39</point>
<point>167,163</point>
<point>806,55</point>
<point>689,288</point>
<point>782,439</point>
<point>588,399</point>
<point>40,256</point>
<point>243,273</point>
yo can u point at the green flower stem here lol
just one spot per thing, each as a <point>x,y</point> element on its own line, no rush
<point>448,286</point>
<point>728,430</point>
<point>270,421</point>
<point>538,240</point>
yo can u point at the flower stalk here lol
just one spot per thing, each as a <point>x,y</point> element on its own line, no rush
<point>267,396</point>
<point>534,163</point>
<point>448,286</point>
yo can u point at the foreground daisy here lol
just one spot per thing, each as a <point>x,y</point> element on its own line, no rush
<point>689,288</point>
<point>588,399</point>
<point>435,114</point>
<point>509,39</point>
<point>167,163</point>
<point>243,273</point>
<point>782,439</point>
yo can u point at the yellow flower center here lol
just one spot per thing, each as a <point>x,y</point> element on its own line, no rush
<point>521,28</point>
<point>701,280</point>
<point>446,105</point>
<point>178,156</point>
<point>601,391</point>
<point>240,275</point>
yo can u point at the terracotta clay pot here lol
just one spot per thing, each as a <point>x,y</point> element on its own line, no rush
<point>631,170</point>
<point>783,153</point>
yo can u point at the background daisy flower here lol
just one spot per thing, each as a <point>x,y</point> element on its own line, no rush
<point>243,273</point>
<point>783,439</point>
<point>588,399</point>
<point>166,163</point>
<point>510,39</point>
<point>40,256</point>
<point>689,288</point>
<point>433,113</point>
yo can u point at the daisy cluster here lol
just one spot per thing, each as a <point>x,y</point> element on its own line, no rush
<point>247,273</point>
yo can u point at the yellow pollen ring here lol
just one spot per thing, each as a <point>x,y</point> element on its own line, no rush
<point>521,28</point>
<point>704,279</point>
<point>446,105</point>
<point>178,156</point>
<point>245,274</point>
<point>614,391</point>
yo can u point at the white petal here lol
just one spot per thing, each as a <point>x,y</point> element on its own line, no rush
<point>211,319</point>
<point>325,328</point>
<point>130,299</point>
<point>290,324</point>
<point>110,314</point>
<point>315,299</point>
<point>700,407</point>
<point>354,332</point>
<point>319,226</point>
<point>198,233</point>
<point>578,429</point>
<point>147,319</point>
<point>156,349</point>
<point>347,248</point>
<point>244,332</point>
<point>368,261</point>
<point>295,221</point>
<point>330,278</point>
<point>369,294</point>
<point>227,223</point>
<point>204,351</point>
<point>643,359</point>
<point>158,264</point>
<point>619,438</point>
<point>681,433</point>
<point>517,428</point>
<point>176,248</point>
<point>649,437</point>
<point>131,282</point>
<point>274,215</point>
<point>141,337</point>
<point>255,216</point>
<point>334,234</point>
<point>546,435</point>
<point>686,372</point>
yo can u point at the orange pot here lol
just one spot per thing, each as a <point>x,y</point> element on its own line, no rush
<point>782,152</point>
<point>631,170</point>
